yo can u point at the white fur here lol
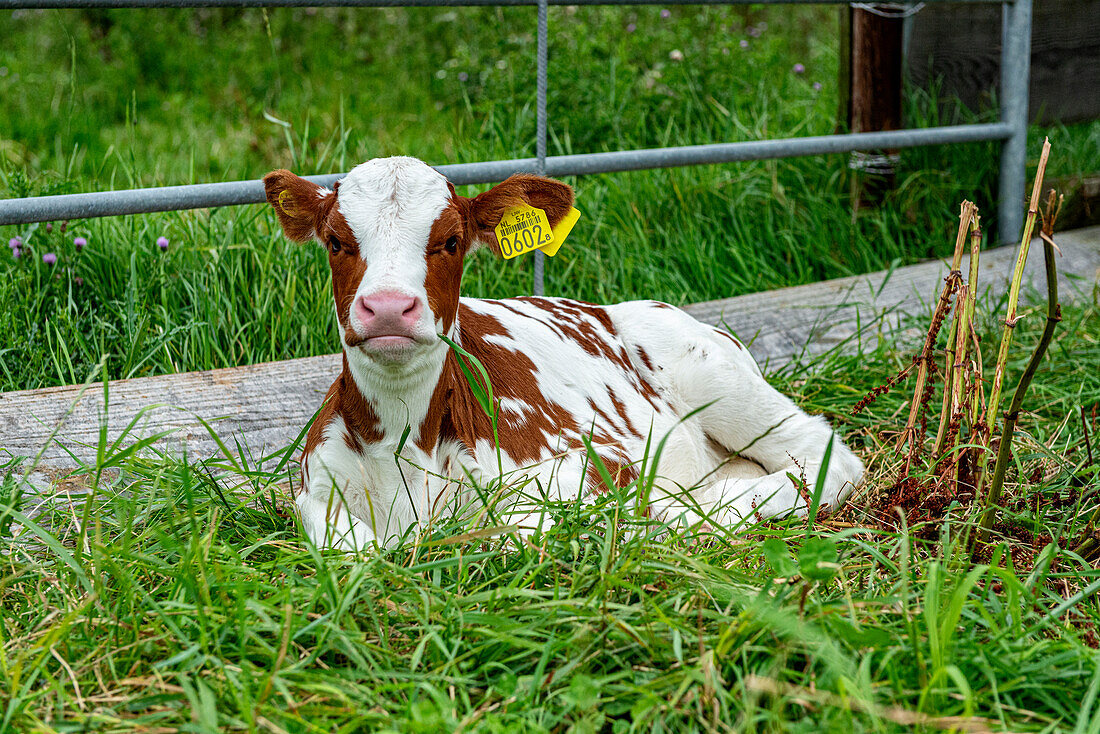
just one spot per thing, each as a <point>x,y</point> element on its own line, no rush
<point>390,205</point>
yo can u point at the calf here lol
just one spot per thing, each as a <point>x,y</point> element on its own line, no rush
<point>562,371</point>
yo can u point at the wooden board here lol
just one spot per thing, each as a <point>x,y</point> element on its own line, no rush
<point>264,406</point>
<point>961,44</point>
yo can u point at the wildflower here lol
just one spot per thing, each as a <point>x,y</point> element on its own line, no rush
<point>79,243</point>
<point>16,253</point>
<point>666,13</point>
<point>49,227</point>
<point>15,243</point>
<point>817,86</point>
<point>64,226</point>
<point>753,31</point>
<point>630,27</point>
<point>462,77</point>
<point>744,44</point>
<point>162,243</point>
<point>49,258</point>
<point>798,69</point>
<point>676,55</point>
<point>78,281</point>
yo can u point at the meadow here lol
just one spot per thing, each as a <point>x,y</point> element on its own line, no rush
<point>182,597</point>
<point>179,594</point>
<point>114,99</point>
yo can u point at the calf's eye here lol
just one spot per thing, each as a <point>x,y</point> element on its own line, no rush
<point>333,244</point>
<point>451,246</point>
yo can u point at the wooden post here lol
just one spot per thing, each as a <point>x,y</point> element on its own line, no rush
<point>874,99</point>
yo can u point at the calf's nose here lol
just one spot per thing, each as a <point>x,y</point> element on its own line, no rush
<point>387,313</point>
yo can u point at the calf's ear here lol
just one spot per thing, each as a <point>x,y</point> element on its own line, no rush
<point>553,197</point>
<point>299,203</point>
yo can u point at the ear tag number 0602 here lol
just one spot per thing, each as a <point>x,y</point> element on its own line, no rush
<point>523,228</point>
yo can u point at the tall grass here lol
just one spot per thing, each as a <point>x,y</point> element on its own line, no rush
<point>133,98</point>
<point>179,593</point>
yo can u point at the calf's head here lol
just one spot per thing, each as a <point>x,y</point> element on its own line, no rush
<point>396,235</point>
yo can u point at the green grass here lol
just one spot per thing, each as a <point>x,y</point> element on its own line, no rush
<point>182,595</point>
<point>106,99</point>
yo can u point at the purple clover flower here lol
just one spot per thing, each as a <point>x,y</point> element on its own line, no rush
<point>753,31</point>
<point>630,27</point>
<point>744,44</point>
<point>49,227</point>
<point>798,69</point>
<point>15,243</point>
<point>49,258</point>
<point>162,243</point>
<point>16,253</point>
<point>666,13</point>
<point>462,77</point>
<point>817,86</point>
<point>79,243</point>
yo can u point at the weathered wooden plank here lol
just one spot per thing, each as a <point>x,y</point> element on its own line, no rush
<point>264,406</point>
<point>960,45</point>
<point>817,317</point>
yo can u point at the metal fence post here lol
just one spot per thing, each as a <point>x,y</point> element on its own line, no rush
<point>1015,74</point>
<point>540,127</point>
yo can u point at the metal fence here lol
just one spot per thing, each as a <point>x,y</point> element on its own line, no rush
<point>1011,129</point>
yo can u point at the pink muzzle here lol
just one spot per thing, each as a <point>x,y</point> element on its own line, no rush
<point>387,314</point>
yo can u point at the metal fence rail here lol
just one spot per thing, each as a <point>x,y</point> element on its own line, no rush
<point>1012,128</point>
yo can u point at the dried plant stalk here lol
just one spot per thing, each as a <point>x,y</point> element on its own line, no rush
<point>1010,319</point>
<point>909,433</point>
<point>1054,315</point>
<point>967,212</point>
<point>979,431</point>
<point>958,380</point>
<point>1014,288</point>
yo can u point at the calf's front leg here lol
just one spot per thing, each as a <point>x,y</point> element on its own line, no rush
<point>328,523</point>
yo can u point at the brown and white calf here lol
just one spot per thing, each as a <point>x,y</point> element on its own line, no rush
<point>624,375</point>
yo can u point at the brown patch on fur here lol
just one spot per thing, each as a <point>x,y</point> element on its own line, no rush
<point>444,277</point>
<point>343,399</point>
<point>622,473</point>
<point>485,210</point>
<point>731,337</point>
<point>620,408</point>
<point>296,202</point>
<point>571,323</point>
<point>573,320</point>
<point>347,267</point>
<point>304,214</point>
<point>455,414</point>
<point>644,356</point>
<point>607,420</point>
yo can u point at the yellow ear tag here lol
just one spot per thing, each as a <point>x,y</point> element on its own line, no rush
<point>561,231</point>
<point>285,202</point>
<point>523,228</point>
